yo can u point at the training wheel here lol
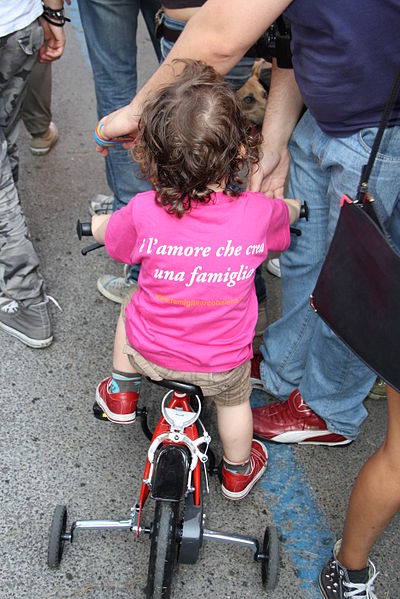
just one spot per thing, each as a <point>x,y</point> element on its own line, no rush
<point>56,540</point>
<point>270,562</point>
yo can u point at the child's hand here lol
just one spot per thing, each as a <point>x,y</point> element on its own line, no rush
<point>99,226</point>
<point>294,209</point>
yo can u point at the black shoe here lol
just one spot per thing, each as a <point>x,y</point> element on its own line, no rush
<point>334,581</point>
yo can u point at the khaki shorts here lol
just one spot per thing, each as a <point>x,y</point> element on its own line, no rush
<point>229,388</point>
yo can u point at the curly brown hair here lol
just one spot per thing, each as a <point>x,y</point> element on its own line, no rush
<point>193,135</point>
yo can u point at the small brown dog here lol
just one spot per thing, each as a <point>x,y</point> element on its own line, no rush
<point>253,94</point>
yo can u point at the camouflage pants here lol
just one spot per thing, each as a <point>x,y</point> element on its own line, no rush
<point>19,276</point>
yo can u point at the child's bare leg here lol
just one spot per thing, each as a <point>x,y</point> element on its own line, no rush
<point>235,427</point>
<point>245,459</point>
<point>375,498</point>
<point>118,394</point>
<point>120,360</point>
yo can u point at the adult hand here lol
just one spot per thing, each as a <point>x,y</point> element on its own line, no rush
<point>284,105</point>
<point>123,121</point>
<point>53,43</point>
<point>271,174</point>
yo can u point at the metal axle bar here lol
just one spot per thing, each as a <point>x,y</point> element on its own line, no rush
<point>103,524</point>
<point>250,542</point>
<point>213,535</point>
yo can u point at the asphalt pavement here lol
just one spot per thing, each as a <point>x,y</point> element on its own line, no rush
<point>54,452</point>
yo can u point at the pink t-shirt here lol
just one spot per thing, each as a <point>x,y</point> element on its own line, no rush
<point>196,306</point>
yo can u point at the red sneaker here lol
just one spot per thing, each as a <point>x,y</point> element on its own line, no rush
<point>119,407</point>
<point>292,421</point>
<point>237,486</point>
<point>255,376</point>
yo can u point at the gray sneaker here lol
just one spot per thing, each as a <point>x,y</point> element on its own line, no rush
<point>378,390</point>
<point>115,288</point>
<point>274,267</point>
<point>334,581</point>
<point>29,324</point>
<point>101,204</point>
<point>42,144</point>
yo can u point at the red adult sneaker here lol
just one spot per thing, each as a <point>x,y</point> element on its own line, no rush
<point>292,421</point>
<point>237,486</point>
<point>119,407</point>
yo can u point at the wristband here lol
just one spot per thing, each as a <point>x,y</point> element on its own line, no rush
<point>54,17</point>
<point>105,143</point>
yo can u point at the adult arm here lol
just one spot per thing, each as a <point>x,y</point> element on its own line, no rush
<point>282,112</point>
<point>54,37</point>
<point>219,34</point>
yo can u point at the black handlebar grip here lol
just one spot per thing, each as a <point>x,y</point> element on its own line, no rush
<point>304,211</point>
<point>295,231</point>
<point>83,229</point>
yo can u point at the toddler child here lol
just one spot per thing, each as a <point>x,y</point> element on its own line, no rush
<point>199,241</point>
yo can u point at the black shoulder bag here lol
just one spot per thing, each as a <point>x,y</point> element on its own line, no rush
<point>357,292</point>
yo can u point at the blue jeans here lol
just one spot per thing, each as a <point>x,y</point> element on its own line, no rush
<point>110,31</point>
<point>236,77</point>
<point>299,350</point>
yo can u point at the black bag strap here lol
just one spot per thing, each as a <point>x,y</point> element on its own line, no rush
<point>283,26</point>
<point>367,168</point>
